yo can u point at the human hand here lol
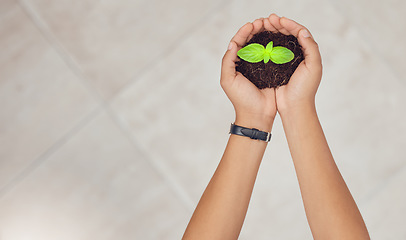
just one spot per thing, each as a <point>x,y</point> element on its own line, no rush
<point>254,108</point>
<point>302,87</point>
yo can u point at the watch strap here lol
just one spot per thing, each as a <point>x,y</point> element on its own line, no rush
<point>252,133</point>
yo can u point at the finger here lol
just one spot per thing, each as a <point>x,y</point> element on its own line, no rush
<point>258,27</point>
<point>306,40</point>
<point>291,26</point>
<point>275,22</point>
<point>228,71</point>
<point>241,37</point>
<point>310,49</point>
<point>268,26</point>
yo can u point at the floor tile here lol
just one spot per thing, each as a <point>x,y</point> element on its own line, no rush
<point>40,98</point>
<point>112,42</point>
<point>382,26</point>
<point>96,186</point>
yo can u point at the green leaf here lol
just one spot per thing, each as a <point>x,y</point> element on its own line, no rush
<point>280,55</point>
<point>269,46</point>
<point>252,53</point>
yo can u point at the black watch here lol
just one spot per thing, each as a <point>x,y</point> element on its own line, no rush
<point>252,133</point>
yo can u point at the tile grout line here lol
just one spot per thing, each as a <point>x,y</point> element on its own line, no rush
<point>59,48</point>
<point>33,165</point>
<point>155,162</point>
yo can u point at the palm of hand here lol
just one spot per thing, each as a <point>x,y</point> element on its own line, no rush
<point>251,100</point>
<point>293,91</point>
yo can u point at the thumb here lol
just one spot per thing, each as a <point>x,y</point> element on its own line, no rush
<point>228,63</point>
<point>310,49</point>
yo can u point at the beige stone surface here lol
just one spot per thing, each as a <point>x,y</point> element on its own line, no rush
<point>97,186</point>
<point>112,41</point>
<point>41,99</point>
<point>381,24</point>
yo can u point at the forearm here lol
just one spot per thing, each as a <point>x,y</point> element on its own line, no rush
<point>330,208</point>
<point>222,208</point>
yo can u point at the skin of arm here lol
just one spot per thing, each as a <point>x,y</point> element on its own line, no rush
<point>222,208</point>
<point>330,209</point>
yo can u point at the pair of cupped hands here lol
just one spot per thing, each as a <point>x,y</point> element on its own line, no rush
<point>257,108</point>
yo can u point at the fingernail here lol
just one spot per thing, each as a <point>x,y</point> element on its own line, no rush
<point>230,46</point>
<point>305,33</point>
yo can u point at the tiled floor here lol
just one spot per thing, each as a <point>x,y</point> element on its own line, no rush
<point>112,119</point>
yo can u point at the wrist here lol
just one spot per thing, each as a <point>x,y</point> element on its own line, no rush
<point>298,108</point>
<point>260,122</point>
<point>298,112</point>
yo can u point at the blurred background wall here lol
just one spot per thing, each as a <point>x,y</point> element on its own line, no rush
<point>112,119</point>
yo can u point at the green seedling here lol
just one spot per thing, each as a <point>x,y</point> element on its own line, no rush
<point>255,52</point>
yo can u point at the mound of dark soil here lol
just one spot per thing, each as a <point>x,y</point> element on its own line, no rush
<point>271,75</point>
